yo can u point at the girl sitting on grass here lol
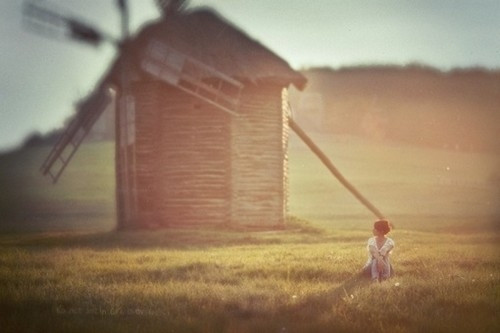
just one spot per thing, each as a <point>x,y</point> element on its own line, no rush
<point>379,247</point>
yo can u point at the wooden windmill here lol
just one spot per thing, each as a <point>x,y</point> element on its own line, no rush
<point>202,122</point>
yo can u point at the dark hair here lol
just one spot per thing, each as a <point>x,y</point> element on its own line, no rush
<point>383,226</point>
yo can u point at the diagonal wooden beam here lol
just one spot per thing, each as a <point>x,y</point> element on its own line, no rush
<point>326,161</point>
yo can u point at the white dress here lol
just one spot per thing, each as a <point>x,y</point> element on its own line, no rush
<point>383,251</point>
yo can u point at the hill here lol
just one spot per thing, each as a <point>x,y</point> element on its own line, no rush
<point>458,109</point>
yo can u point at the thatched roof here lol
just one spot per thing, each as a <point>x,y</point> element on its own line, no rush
<point>207,37</point>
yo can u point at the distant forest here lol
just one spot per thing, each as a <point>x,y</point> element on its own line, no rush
<point>457,109</point>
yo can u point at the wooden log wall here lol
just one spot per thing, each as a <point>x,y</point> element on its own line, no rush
<point>183,158</point>
<point>196,164</point>
<point>259,163</point>
<point>195,161</point>
<point>148,129</point>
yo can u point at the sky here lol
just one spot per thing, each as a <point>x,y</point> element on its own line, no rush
<point>41,77</point>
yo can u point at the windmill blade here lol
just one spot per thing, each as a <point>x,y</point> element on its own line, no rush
<point>192,76</point>
<point>123,8</point>
<point>44,22</point>
<point>67,145</point>
<point>54,23</point>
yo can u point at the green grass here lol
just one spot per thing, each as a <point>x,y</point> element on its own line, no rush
<point>83,198</point>
<point>303,278</point>
<point>416,188</point>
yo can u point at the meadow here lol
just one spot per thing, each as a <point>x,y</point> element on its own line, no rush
<point>63,268</point>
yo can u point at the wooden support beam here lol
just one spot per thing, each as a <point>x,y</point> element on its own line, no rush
<point>326,161</point>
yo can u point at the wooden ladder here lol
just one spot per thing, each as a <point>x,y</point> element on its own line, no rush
<point>73,135</point>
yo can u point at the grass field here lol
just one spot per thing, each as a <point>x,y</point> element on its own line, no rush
<point>75,274</point>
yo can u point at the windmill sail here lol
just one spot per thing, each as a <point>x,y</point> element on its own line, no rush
<point>68,143</point>
<point>192,76</point>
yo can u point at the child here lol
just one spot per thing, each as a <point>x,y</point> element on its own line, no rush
<point>379,248</point>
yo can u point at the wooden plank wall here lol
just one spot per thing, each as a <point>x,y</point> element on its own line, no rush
<point>148,129</point>
<point>183,158</point>
<point>194,161</point>
<point>199,165</point>
<point>259,163</point>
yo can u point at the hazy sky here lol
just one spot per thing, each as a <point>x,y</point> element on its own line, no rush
<point>40,78</point>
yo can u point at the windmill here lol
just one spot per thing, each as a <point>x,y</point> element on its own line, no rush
<point>201,122</point>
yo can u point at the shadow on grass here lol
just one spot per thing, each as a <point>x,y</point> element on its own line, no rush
<point>345,289</point>
<point>296,232</point>
<point>334,296</point>
<point>166,239</point>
